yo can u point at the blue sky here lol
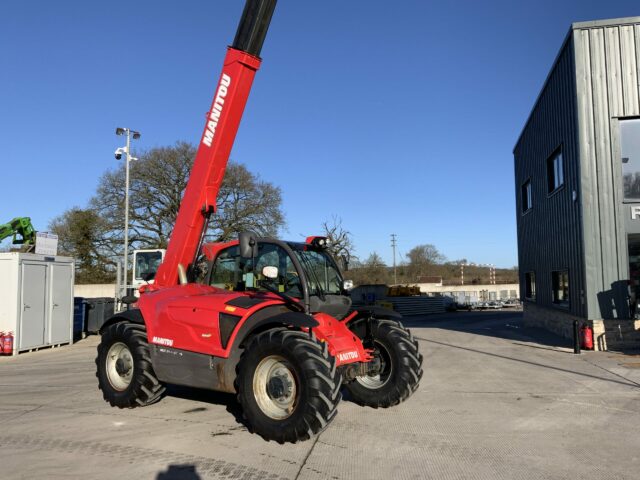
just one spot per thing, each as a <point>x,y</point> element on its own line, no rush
<point>399,117</point>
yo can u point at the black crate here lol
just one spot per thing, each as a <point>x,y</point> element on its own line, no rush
<point>99,310</point>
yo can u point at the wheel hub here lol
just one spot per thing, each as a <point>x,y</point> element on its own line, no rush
<point>385,370</point>
<point>274,387</point>
<point>279,387</point>
<point>122,367</point>
<point>119,366</point>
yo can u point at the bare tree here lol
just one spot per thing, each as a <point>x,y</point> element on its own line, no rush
<point>374,269</point>
<point>421,257</point>
<point>158,180</point>
<point>157,183</point>
<point>425,254</point>
<point>340,239</point>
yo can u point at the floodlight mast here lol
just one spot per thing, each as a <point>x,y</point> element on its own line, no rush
<point>223,119</point>
<point>128,158</point>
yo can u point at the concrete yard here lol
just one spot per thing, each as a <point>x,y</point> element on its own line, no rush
<point>497,401</point>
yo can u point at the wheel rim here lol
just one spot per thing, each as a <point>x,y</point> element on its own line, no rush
<point>119,366</point>
<point>275,387</point>
<point>386,369</point>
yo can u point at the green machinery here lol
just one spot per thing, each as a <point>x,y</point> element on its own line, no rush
<point>22,230</point>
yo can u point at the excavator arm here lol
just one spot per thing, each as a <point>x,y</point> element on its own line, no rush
<point>223,119</point>
<point>21,229</point>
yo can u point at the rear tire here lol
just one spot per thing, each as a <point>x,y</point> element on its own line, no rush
<point>124,370</point>
<point>288,385</point>
<point>401,362</point>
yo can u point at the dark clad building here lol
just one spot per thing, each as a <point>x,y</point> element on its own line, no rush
<point>577,172</point>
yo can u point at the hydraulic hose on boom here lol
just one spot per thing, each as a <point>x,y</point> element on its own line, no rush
<point>199,201</point>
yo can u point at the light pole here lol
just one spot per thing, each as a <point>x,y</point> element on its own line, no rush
<point>127,151</point>
<point>393,245</point>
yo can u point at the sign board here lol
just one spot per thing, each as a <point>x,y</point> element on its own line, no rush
<point>46,243</point>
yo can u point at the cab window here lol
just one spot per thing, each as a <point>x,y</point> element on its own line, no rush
<point>287,281</point>
<point>232,272</point>
<point>225,271</point>
<point>147,264</point>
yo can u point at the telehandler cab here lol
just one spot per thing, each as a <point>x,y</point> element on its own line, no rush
<point>268,320</point>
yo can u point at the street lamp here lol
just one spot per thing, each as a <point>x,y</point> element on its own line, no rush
<point>127,151</point>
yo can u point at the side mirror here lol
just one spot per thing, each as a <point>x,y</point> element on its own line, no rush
<point>248,245</point>
<point>149,276</point>
<point>129,299</point>
<point>270,272</point>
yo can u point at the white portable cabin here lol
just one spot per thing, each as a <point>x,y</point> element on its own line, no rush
<point>36,299</point>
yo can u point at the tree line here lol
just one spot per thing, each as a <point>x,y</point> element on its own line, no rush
<point>94,234</point>
<point>373,270</point>
<point>420,262</point>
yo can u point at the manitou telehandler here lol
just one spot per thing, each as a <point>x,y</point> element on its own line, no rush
<point>268,320</point>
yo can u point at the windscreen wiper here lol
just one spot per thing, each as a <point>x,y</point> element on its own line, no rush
<point>288,300</point>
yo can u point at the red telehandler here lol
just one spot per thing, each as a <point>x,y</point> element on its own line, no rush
<point>265,319</point>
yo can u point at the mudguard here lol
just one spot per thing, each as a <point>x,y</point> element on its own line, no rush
<point>269,317</point>
<point>132,315</point>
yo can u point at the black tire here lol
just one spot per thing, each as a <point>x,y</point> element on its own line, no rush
<point>402,365</point>
<point>307,383</point>
<point>138,385</point>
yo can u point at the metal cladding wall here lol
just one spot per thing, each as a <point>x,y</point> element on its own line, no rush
<point>583,226</point>
<point>607,57</point>
<point>549,234</point>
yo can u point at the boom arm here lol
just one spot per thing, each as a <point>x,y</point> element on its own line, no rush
<point>199,201</point>
<point>19,226</point>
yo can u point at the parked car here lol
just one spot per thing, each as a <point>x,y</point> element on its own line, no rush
<point>465,306</point>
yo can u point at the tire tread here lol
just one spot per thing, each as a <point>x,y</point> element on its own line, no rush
<point>145,388</point>
<point>323,381</point>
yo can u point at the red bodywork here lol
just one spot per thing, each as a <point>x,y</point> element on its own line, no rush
<point>186,317</point>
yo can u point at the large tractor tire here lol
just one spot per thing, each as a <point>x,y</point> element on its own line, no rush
<point>401,365</point>
<point>125,374</point>
<point>288,385</point>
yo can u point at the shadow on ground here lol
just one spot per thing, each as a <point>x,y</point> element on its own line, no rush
<point>179,472</point>
<point>228,400</point>
<point>505,324</point>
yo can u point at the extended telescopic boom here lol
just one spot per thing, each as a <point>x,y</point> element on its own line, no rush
<point>199,202</point>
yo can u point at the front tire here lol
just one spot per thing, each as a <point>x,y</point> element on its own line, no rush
<point>288,385</point>
<point>124,370</point>
<point>401,364</point>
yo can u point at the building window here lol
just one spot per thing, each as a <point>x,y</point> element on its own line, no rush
<point>555,171</point>
<point>529,286</point>
<point>560,282</point>
<point>526,196</point>
<point>630,153</point>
